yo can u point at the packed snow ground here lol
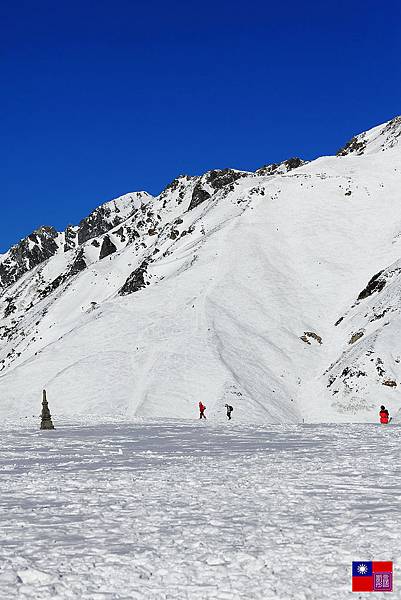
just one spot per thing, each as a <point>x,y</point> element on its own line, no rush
<point>195,510</point>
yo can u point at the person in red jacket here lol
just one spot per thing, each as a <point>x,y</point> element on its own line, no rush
<point>202,409</point>
<point>383,415</point>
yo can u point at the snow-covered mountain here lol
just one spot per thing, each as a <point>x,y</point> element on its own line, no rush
<point>276,291</point>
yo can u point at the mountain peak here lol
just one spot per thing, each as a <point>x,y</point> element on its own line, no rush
<point>246,284</point>
<point>283,167</point>
<point>378,139</point>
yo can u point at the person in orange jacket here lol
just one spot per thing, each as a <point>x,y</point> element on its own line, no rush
<point>202,409</point>
<point>383,414</point>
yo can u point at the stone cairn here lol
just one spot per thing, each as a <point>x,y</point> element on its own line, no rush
<point>46,422</point>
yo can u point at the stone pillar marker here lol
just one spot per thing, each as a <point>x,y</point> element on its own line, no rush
<point>46,416</point>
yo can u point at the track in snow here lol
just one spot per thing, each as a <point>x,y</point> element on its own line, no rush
<point>181,510</point>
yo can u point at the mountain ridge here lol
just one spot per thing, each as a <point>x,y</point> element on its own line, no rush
<point>217,277</point>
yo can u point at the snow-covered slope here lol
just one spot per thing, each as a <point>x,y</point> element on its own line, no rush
<point>246,288</point>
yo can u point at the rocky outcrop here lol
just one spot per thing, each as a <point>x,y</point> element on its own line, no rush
<point>177,190</point>
<point>27,254</point>
<point>212,182</point>
<point>97,223</point>
<point>107,248</point>
<point>355,145</point>
<point>355,337</point>
<point>70,238</point>
<point>283,167</point>
<point>308,335</point>
<point>376,284</point>
<point>380,139</point>
<point>136,281</point>
<point>78,265</point>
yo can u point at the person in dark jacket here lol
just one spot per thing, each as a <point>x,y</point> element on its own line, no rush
<point>202,409</point>
<point>229,411</point>
<point>383,414</point>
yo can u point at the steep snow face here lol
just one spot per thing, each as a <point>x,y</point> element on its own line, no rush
<point>274,291</point>
<point>377,139</point>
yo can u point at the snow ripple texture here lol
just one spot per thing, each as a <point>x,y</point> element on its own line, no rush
<point>179,510</point>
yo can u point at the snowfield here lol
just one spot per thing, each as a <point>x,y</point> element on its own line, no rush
<point>187,510</point>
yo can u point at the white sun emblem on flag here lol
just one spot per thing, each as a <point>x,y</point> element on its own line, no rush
<point>362,569</point>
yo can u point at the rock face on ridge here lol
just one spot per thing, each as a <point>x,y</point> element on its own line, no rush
<point>108,215</point>
<point>27,254</point>
<point>45,242</point>
<point>211,182</point>
<point>279,168</point>
<point>381,137</point>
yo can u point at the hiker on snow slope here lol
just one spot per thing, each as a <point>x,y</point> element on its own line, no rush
<point>202,409</point>
<point>229,411</point>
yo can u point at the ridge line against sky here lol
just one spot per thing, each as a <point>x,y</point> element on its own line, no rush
<point>110,97</point>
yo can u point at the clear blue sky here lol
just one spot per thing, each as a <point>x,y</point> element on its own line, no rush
<point>103,97</point>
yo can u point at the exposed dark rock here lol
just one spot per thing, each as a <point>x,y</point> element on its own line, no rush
<point>107,248</point>
<point>136,281</point>
<point>283,167</point>
<point>355,145</point>
<point>27,254</point>
<point>216,180</point>
<point>389,383</point>
<point>180,184</point>
<point>199,195</point>
<point>314,336</point>
<point>376,284</point>
<point>311,335</point>
<point>100,221</point>
<point>377,316</point>
<point>121,234</point>
<point>76,267</point>
<point>379,367</point>
<point>332,379</point>
<point>176,184</point>
<point>70,238</point>
<point>389,137</point>
<point>350,372</point>
<point>10,308</point>
<point>355,337</point>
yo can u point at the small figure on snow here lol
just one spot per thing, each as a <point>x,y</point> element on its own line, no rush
<point>229,411</point>
<point>202,409</point>
<point>384,416</point>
